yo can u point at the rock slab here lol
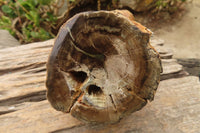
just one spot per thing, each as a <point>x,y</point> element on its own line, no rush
<point>24,108</point>
<point>7,40</point>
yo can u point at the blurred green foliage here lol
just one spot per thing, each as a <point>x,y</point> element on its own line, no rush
<point>28,20</point>
<point>168,5</point>
<point>37,20</point>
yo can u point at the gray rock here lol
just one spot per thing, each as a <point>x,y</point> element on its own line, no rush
<point>7,40</point>
<point>191,65</point>
<point>63,8</point>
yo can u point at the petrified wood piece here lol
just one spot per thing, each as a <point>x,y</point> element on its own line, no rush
<point>102,67</point>
<point>81,6</point>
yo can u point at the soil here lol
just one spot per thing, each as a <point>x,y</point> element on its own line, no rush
<point>181,33</point>
<point>184,35</point>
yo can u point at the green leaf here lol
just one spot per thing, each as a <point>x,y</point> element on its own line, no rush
<point>27,33</point>
<point>28,16</point>
<point>34,34</point>
<point>6,9</point>
<point>51,18</point>
<point>30,27</point>
<point>44,34</point>
<point>27,5</point>
<point>35,17</point>
<point>71,0</point>
<point>5,20</point>
<point>6,24</point>
<point>33,2</point>
<point>44,2</point>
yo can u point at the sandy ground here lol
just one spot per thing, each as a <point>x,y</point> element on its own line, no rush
<point>184,35</point>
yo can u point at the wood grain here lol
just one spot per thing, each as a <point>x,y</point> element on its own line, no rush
<point>23,80</point>
<point>175,108</point>
<point>24,108</point>
<point>102,67</point>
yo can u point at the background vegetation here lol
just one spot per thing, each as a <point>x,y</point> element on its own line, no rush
<point>38,20</point>
<point>167,5</point>
<point>28,20</point>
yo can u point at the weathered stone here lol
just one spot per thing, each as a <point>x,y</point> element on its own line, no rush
<point>102,67</point>
<point>176,108</point>
<point>25,71</point>
<point>22,90</point>
<point>156,42</point>
<point>192,66</point>
<point>38,118</point>
<point>171,69</point>
<point>164,52</point>
<point>7,40</point>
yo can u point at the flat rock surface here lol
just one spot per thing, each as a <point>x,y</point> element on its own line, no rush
<point>24,108</point>
<point>7,40</point>
<point>175,109</point>
<point>183,35</point>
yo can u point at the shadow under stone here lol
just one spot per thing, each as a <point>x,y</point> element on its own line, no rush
<point>191,65</point>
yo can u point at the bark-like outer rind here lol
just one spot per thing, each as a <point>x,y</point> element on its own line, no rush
<point>58,92</point>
